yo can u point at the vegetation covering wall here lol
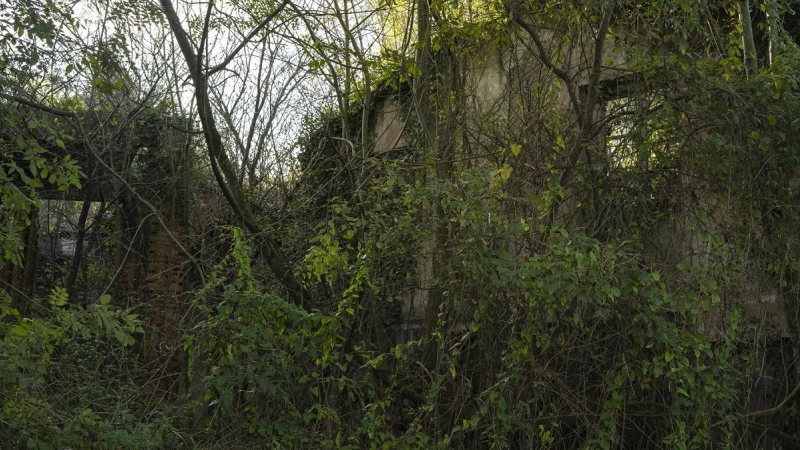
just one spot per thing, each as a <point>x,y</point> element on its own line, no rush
<point>401,225</point>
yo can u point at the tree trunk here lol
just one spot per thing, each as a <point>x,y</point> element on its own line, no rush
<point>223,168</point>
<point>748,42</point>
<point>80,236</point>
<point>31,256</point>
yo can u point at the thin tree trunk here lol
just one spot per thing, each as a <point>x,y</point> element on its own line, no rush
<point>773,27</point>
<point>423,106</point>
<point>748,42</point>
<point>222,166</point>
<point>75,264</point>
<point>31,255</point>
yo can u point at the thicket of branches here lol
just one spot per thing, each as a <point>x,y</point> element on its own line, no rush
<point>586,236</point>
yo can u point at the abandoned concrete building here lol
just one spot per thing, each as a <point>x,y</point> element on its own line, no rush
<point>506,107</point>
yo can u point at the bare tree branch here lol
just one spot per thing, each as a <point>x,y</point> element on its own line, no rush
<point>39,106</point>
<point>247,39</point>
<point>221,164</point>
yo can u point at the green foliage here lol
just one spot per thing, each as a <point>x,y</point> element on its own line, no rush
<point>266,357</point>
<point>62,377</point>
<point>576,290</point>
<point>26,168</point>
<point>531,319</point>
<point>527,275</point>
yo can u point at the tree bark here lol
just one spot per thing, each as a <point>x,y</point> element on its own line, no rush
<point>748,42</point>
<point>80,236</point>
<point>31,255</point>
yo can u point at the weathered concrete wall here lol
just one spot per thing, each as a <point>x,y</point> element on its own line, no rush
<point>507,96</point>
<point>390,123</point>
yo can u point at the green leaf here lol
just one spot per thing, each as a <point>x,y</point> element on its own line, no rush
<point>58,296</point>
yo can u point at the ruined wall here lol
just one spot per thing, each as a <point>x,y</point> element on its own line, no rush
<point>509,98</point>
